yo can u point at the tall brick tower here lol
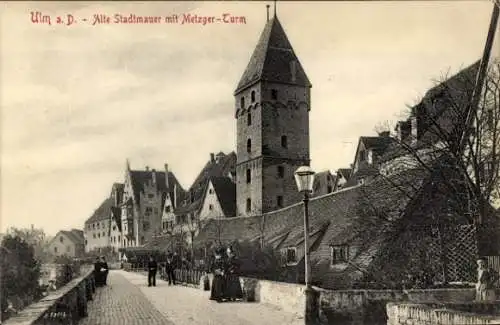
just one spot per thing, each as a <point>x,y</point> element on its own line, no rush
<point>272,103</point>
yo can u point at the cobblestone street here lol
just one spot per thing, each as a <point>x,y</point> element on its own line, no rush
<point>128,300</point>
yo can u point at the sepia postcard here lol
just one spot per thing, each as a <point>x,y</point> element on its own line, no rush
<point>250,162</point>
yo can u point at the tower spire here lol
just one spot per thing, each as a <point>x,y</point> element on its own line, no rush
<point>267,6</point>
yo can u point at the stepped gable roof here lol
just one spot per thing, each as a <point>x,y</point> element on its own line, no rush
<point>194,195</point>
<point>225,189</point>
<point>443,105</point>
<point>272,60</point>
<point>103,212</point>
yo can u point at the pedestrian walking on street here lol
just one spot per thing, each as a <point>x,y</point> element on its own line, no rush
<point>170,270</point>
<point>104,270</point>
<point>152,268</point>
<point>486,280</point>
<point>232,287</point>
<point>217,292</point>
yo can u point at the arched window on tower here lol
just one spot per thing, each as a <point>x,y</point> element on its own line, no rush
<point>284,141</point>
<point>249,145</point>
<point>242,102</point>
<point>253,96</point>
<point>249,176</point>
<point>249,205</point>
<point>249,118</point>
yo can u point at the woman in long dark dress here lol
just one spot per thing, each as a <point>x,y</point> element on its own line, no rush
<point>98,278</point>
<point>233,287</point>
<point>217,291</point>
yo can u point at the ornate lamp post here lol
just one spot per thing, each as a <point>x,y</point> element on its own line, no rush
<point>304,177</point>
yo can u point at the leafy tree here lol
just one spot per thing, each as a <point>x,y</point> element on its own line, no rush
<point>35,237</point>
<point>20,272</point>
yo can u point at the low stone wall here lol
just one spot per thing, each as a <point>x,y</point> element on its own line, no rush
<point>441,314</point>
<point>65,305</point>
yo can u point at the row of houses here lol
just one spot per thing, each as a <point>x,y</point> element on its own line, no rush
<point>397,210</point>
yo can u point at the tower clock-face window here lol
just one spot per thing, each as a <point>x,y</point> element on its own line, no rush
<point>253,96</point>
<point>249,145</point>
<point>274,94</point>
<point>242,102</point>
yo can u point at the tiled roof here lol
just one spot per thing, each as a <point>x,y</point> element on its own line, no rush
<point>444,105</point>
<point>141,177</point>
<point>75,235</point>
<point>377,144</point>
<point>195,193</point>
<point>103,212</point>
<point>160,243</point>
<point>345,172</point>
<point>226,193</point>
<point>272,59</point>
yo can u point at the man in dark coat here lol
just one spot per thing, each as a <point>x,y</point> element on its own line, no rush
<point>232,289</point>
<point>98,278</point>
<point>170,270</point>
<point>152,268</point>
<point>218,282</point>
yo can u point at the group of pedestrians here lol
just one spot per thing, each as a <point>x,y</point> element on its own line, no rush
<point>226,284</point>
<point>167,268</point>
<point>101,271</point>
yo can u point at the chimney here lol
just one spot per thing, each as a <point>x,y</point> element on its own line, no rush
<point>212,157</point>
<point>166,176</point>
<point>414,129</point>
<point>175,196</point>
<point>147,168</point>
<point>403,129</point>
<point>153,176</point>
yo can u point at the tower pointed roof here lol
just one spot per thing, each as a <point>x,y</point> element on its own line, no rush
<point>273,60</point>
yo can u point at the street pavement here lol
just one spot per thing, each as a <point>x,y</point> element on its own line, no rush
<point>127,300</point>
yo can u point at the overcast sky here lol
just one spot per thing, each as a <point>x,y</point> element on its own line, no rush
<point>77,101</point>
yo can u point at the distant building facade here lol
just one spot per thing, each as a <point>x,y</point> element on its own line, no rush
<point>70,243</point>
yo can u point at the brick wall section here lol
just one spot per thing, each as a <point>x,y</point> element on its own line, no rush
<point>419,314</point>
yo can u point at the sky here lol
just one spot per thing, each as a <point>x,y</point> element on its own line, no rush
<point>78,100</point>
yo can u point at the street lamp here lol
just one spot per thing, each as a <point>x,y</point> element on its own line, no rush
<point>304,177</point>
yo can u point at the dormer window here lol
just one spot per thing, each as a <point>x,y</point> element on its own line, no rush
<point>253,96</point>
<point>249,145</point>
<point>274,94</point>
<point>339,254</point>
<point>242,102</point>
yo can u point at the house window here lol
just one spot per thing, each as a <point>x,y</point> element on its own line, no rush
<point>249,205</point>
<point>361,181</point>
<point>114,227</point>
<point>290,255</point>
<point>118,237</point>
<point>281,171</point>
<point>98,224</point>
<point>211,191</point>
<point>68,249</point>
<point>339,254</point>
<point>284,141</point>
<point>93,235</point>
<point>55,249</point>
<point>279,199</point>
<point>210,207</point>
<point>249,118</point>
<point>253,96</point>
<point>61,239</point>
<point>86,242</point>
<point>249,176</point>
<point>151,196</point>
<point>274,94</point>
<point>249,145</point>
<point>99,235</point>
<point>93,225</point>
<point>242,102</point>
<point>167,208</point>
<point>330,189</point>
<point>103,234</point>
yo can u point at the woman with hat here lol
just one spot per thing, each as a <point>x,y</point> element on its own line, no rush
<point>217,292</point>
<point>233,286</point>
